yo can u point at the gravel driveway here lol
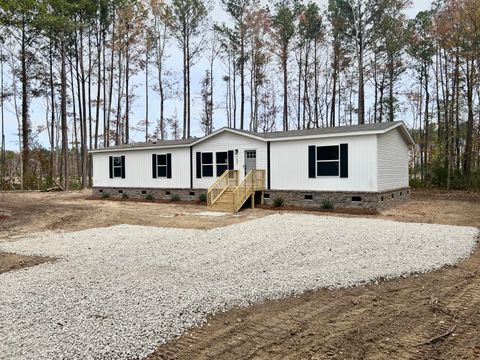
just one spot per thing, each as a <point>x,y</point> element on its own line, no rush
<point>119,292</point>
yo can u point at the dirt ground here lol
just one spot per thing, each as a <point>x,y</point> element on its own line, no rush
<point>10,262</point>
<point>428,316</point>
<point>25,213</point>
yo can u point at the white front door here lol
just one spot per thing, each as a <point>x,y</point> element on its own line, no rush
<point>250,160</point>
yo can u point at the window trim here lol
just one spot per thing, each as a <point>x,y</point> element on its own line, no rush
<point>116,167</point>
<point>225,164</point>
<point>207,164</point>
<point>162,166</point>
<point>327,161</point>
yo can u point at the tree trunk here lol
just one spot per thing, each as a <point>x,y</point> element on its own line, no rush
<point>25,121</point>
<point>185,66</point>
<point>361,84</point>
<point>391,101</point>
<point>52,119</point>
<point>242,77</point>
<point>285,86</point>
<point>63,111</point>
<point>189,64</point>
<point>127,87</point>
<point>110,93</point>
<point>99,87</point>
<point>470,76</point>
<point>335,79</point>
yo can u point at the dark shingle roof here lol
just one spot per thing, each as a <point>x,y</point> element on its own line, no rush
<point>271,135</point>
<point>159,143</point>
<point>326,131</point>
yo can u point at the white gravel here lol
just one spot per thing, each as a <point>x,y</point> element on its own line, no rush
<point>119,292</point>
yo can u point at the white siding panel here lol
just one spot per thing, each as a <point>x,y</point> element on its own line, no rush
<point>138,169</point>
<point>228,141</point>
<point>392,161</point>
<point>289,165</point>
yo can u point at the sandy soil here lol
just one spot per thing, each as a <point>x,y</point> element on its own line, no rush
<point>430,316</point>
<point>10,262</point>
<point>25,213</point>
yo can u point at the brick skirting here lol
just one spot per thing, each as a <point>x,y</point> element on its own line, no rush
<point>339,199</point>
<point>304,199</point>
<point>143,193</point>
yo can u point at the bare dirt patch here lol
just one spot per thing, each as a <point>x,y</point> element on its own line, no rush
<point>10,262</point>
<point>429,316</point>
<point>35,212</point>
<point>25,213</point>
<point>409,318</point>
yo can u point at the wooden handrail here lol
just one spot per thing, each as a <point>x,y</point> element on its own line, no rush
<point>253,181</point>
<point>221,185</point>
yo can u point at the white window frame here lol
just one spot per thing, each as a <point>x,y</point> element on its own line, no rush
<point>162,166</point>
<point>221,164</point>
<point>116,167</point>
<point>212,164</point>
<point>325,161</point>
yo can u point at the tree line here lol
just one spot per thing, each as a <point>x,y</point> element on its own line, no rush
<point>281,65</point>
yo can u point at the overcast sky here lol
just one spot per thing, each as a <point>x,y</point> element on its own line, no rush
<point>173,105</point>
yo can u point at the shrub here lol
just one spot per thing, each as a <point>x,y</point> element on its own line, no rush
<point>278,202</point>
<point>202,197</point>
<point>105,195</point>
<point>175,197</point>
<point>149,197</point>
<point>327,204</point>
<point>124,196</point>
<point>416,183</point>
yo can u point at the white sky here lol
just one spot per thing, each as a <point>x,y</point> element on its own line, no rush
<point>174,105</point>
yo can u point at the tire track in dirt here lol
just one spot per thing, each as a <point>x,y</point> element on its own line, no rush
<point>394,319</point>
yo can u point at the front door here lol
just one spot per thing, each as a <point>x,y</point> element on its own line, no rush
<point>250,160</point>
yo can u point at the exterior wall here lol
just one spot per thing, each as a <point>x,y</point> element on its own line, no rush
<point>138,169</point>
<point>393,157</point>
<point>289,165</point>
<point>142,193</point>
<point>224,142</point>
<point>339,199</point>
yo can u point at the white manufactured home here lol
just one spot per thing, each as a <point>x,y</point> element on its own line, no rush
<point>350,166</point>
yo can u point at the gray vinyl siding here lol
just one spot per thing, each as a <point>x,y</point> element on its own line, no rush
<point>393,157</point>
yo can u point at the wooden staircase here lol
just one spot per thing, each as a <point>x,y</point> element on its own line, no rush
<point>228,195</point>
<point>224,202</point>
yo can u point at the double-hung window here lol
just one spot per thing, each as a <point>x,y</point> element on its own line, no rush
<point>162,165</point>
<point>207,164</point>
<point>117,166</point>
<point>222,162</point>
<point>328,161</point>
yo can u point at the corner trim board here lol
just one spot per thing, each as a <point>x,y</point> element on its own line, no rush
<point>268,166</point>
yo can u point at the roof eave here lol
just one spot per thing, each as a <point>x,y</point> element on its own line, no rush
<point>132,148</point>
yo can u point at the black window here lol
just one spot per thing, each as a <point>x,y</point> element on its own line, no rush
<point>327,153</point>
<point>207,164</point>
<point>222,162</point>
<point>117,166</point>
<point>328,161</point>
<point>162,165</point>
